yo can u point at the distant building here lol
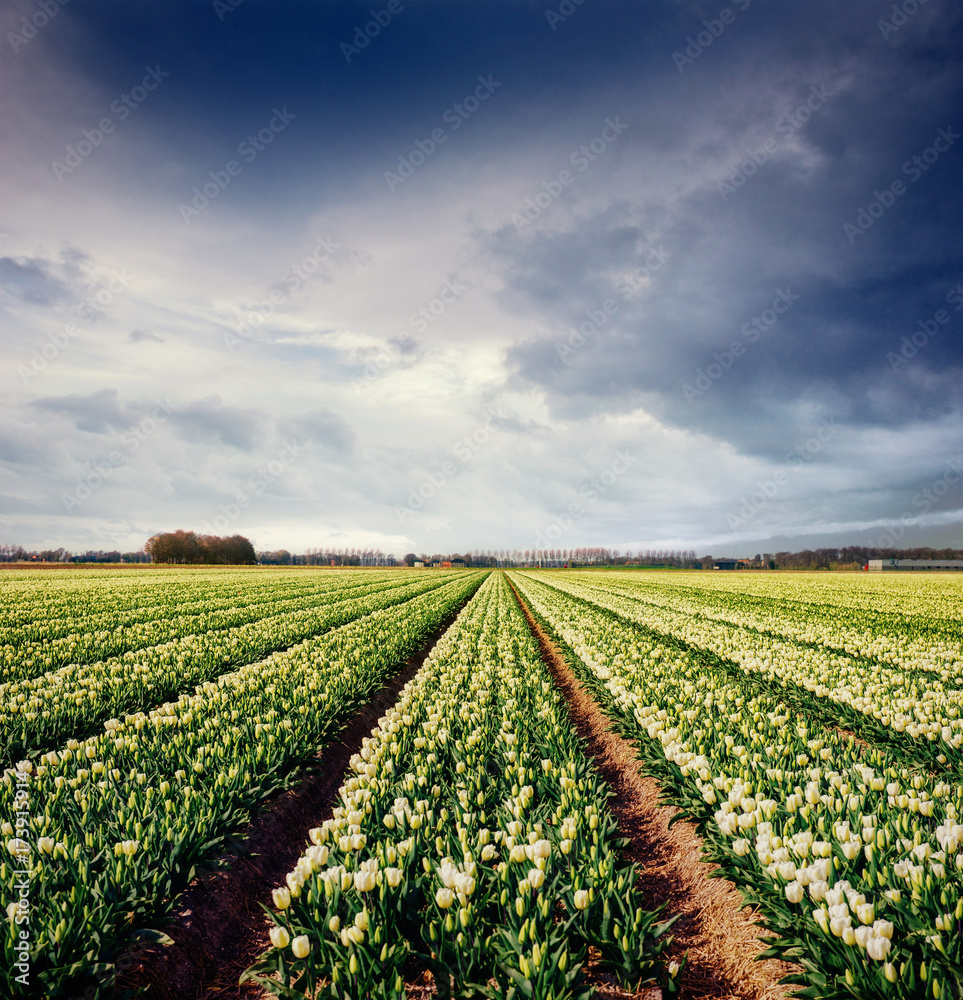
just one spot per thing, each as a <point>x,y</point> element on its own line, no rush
<point>419,563</point>
<point>446,564</point>
<point>884,565</point>
<point>730,563</point>
<point>457,564</point>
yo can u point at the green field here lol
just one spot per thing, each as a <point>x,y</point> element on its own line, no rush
<point>809,725</point>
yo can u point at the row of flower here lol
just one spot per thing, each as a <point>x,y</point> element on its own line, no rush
<point>472,838</point>
<point>108,829</point>
<point>916,713</point>
<point>854,858</point>
<point>931,597</point>
<point>911,642</point>
<point>42,601</point>
<point>32,649</point>
<point>41,713</point>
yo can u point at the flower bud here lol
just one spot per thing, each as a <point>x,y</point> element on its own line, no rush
<point>279,937</point>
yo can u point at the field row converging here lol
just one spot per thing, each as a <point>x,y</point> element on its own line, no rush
<point>112,826</point>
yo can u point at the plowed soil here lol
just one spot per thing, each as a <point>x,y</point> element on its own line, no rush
<point>220,929</point>
<point>720,934</point>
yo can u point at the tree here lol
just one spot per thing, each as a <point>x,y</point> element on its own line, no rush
<point>187,547</point>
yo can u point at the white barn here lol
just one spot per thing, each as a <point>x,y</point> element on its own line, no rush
<point>883,565</point>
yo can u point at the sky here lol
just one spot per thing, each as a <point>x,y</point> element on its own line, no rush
<point>437,276</point>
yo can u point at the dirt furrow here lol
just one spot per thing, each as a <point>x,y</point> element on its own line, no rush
<point>220,929</point>
<point>719,933</point>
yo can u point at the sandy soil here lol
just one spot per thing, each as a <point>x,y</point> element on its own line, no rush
<point>719,933</point>
<point>220,929</point>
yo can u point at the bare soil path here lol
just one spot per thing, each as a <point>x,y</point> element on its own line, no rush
<point>717,930</point>
<point>220,929</point>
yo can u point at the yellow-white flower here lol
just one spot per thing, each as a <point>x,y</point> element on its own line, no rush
<point>301,946</point>
<point>279,937</point>
<point>878,948</point>
<point>365,881</point>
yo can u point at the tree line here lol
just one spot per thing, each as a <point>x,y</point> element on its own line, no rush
<point>850,556</point>
<point>190,548</point>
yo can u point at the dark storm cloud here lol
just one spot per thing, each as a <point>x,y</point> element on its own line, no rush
<point>758,196</point>
<point>775,289</point>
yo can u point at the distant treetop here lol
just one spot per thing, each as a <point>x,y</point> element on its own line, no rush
<point>188,547</point>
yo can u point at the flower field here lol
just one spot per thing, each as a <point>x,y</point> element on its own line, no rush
<point>472,833</point>
<point>810,727</point>
<point>851,848</point>
<point>104,829</point>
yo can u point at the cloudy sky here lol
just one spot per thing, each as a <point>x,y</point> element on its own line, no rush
<point>447,275</point>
